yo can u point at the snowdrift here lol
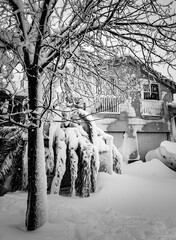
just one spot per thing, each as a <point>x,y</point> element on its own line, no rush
<point>137,205</point>
<point>166,153</point>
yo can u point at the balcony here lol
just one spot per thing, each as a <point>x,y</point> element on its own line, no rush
<point>152,108</point>
<point>108,104</point>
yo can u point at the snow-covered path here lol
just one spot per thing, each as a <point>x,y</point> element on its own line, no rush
<point>138,205</point>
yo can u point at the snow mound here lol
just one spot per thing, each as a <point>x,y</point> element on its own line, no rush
<point>153,168</point>
<point>125,207</point>
<point>166,153</point>
<point>170,146</point>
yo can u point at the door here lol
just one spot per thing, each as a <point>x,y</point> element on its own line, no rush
<point>149,141</point>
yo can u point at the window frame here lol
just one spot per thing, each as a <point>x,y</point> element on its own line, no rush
<point>150,83</point>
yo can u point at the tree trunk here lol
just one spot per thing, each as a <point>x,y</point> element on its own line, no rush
<point>36,214</point>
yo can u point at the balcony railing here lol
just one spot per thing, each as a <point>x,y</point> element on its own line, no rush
<point>151,108</point>
<point>108,104</point>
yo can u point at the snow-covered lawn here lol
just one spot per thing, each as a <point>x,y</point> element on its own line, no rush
<point>138,205</point>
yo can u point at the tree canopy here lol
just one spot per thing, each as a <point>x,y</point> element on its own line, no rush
<point>43,36</point>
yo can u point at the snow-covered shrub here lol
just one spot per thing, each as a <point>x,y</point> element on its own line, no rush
<point>11,153</point>
<point>166,153</point>
<point>84,119</point>
<point>76,151</point>
<point>110,158</point>
<point>81,150</point>
<point>75,154</point>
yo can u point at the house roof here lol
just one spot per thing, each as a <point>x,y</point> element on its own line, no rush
<point>150,72</point>
<point>160,78</point>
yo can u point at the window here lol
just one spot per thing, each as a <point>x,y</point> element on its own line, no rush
<point>151,91</point>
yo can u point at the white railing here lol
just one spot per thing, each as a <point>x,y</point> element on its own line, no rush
<point>108,104</point>
<point>152,107</point>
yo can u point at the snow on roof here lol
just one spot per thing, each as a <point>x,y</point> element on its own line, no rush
<point>149,71</point>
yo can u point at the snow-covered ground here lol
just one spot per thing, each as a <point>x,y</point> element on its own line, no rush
<point>138,205</point>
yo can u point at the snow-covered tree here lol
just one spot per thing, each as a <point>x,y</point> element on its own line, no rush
<point>39,38</point>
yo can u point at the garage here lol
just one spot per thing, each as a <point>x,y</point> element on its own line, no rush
<point>118,138</point>
<point>149,141</point>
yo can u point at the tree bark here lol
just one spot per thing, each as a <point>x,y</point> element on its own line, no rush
<point>36,214</point>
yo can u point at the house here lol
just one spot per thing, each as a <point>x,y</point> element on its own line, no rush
<point>134,107</point>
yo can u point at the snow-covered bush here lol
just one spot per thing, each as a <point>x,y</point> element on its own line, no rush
<point>75,154</point>
<point>81,150</point>
<point>11,154</point>
<point>166,153</point>
<point>110,158</point>
<point>76,151</point>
